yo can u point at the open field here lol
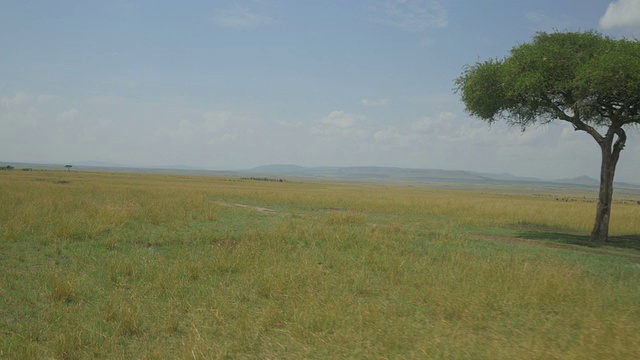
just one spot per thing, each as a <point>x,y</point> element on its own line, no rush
<point>98,265</point>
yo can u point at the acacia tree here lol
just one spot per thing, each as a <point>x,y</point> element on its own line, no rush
<point>583,78</point>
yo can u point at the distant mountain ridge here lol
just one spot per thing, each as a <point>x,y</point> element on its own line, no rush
<point>372,173</point>
<point>581,180</point>
<point>336,173</point>
<point>369,173</point>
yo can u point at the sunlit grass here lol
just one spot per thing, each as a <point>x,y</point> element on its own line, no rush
<point>165,266</point>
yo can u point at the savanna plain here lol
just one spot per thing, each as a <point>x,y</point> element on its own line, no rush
<point>110,265</point>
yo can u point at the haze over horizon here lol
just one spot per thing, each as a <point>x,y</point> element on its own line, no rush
<point>236,84</point>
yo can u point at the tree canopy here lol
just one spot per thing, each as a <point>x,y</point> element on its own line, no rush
<point>582,78</point>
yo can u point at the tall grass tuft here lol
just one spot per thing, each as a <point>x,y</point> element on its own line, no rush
<point>63,288</point>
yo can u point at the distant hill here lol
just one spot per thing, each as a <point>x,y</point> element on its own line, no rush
<point>395,174</point>
<point>279,169</point>
<point>580,180</point>
<point>377,173</point>
<point>348,174</point>
<point>509,177</point>
<point>96,163</point>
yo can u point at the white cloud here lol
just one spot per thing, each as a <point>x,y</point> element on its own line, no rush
<point>22,98</point>
<point>240,17</point>
<point>338,121</point>
<point>19,99</point>
<point>210,127</point>
<point>393,138</point>
<point>219,140</point>
<point>375,103</point>
<point>68,115</point>
<point>44,98</point>
<point>24,111</point>
<point>446,141</point>
<point>621,13</point>
<point>342,123</point>
<point>412,15</point>
<point>213,121</point>
<point>442,123</point>
<point>289,124</point>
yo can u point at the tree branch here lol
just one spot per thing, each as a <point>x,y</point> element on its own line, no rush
<point>620,143</point>
<point>575,120</point>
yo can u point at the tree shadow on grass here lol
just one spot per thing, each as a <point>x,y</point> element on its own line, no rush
<point>623,242</point>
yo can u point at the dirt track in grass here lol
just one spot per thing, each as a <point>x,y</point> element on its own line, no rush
<point>257,208</point>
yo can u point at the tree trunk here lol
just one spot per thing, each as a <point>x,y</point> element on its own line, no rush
<point>610,157</point>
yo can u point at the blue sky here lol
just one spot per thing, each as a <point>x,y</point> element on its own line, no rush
<point>237,84</point>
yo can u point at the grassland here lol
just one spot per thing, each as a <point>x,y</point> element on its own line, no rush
<point>165,266</point>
